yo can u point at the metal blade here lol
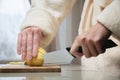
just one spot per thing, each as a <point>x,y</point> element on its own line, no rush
<point>58,57</point>
<point>64,57</point>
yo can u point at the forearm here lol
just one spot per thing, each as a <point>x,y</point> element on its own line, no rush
<point>110,17</point>
<point>47,15</point>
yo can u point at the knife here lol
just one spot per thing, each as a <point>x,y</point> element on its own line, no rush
<point>63,56</point>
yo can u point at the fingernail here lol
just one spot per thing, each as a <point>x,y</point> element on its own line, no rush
<point>23,58</point>
<point>34,55</point>
<point>18,52</point>
<point>29,57</point>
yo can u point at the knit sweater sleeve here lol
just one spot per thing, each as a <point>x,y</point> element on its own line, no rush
<point>110,17</point>
<point>47,15</point>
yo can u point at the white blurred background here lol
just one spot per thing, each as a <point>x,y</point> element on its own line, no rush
<point>12,13</point>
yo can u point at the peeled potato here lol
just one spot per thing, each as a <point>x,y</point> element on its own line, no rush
<point>38,60</point>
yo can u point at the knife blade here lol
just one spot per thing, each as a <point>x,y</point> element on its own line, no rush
<point>63,56</point>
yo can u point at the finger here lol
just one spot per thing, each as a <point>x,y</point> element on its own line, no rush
<point>82,41</point>
<point>29,43</point>
<point>75,47</point>
<point>19,41</point>
<point>36,42</point>
<point>74,51</point>
<point>99,48</point>
<point>92,48</point>
<point>23,48</point>
<point>23,58</point>
<point>85,50</point>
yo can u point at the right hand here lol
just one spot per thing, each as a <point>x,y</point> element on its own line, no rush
<point>28,42</point>
<point>91,41</point>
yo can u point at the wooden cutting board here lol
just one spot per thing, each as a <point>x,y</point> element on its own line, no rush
<point>11,68</point>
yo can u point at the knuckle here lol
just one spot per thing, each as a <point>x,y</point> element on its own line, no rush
<point>29,30</point>
<point>82,39</point>
<point>89,40</point>
<point>96,41</point>
<point>37,31</point>
<point>23,41</point>
<point>23,50</point>
<point>29,49</point>
<point>29,42</point>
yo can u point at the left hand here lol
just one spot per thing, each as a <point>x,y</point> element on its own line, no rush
<point>29,42</point>
<point>91,41</point>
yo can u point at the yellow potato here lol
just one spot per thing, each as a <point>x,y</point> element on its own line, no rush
<point>38,60</point>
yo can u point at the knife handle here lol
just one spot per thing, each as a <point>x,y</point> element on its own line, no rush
<point>107,44</point>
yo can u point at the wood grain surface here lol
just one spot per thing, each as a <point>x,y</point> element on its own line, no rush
<point>9,68</point>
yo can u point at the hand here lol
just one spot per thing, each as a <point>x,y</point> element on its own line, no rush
<point>91,41</point>
<point>28,42</point>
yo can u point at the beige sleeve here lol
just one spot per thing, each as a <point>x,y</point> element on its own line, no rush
<point>110,17</point>
<point>47,15</point>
